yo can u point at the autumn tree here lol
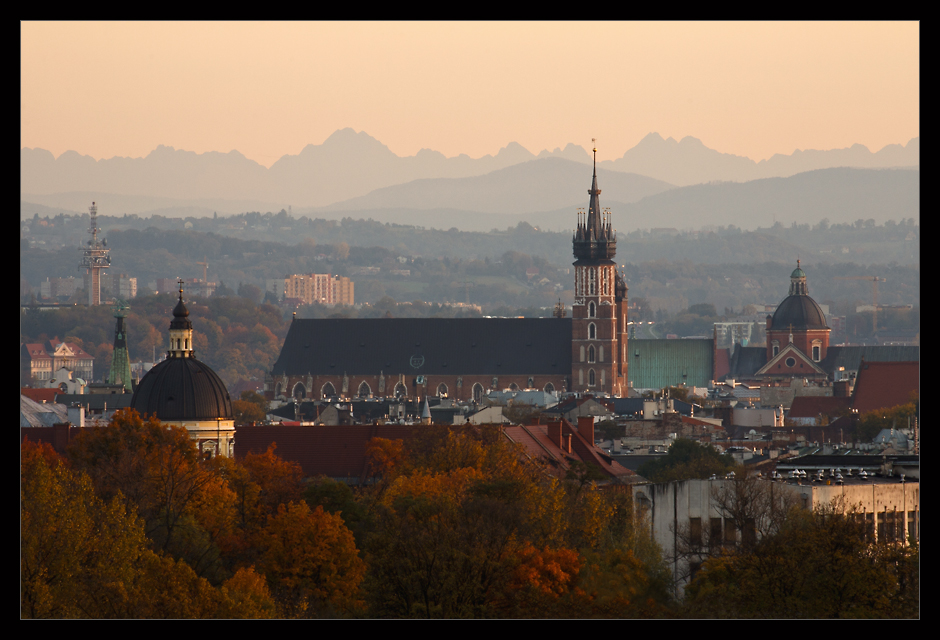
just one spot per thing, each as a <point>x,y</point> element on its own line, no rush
<point>157,472</point>
<point>311,562</point>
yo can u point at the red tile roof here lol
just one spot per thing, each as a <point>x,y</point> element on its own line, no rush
<point>885,384</point>
<point>536,443</point>
<point>812,406</point>
<point>39,395</point>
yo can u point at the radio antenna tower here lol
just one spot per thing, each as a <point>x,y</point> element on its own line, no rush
<point>95,257</point>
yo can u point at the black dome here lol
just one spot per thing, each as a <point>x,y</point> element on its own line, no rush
<point>799,311</point>
<point>182,389</point>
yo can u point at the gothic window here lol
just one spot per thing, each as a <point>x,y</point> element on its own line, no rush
<point>591,353</point>
<point>328,390</point>
<point>299,391</point>
<point>592,331</point>
<point>478,392</point>
<point>530,383</point>
<point>513,387</point>
<point>591,380</point>
<point>549,388</point>
<point>591,281</point>
<point>442,390</point>
<point>592,310</point>
<point>277,390</point>
<point>400,390</point>
<point>364,390</point>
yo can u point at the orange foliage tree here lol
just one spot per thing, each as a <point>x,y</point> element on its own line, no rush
<point>311,562</point>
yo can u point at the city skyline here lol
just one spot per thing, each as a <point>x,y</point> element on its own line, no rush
<point>268,89</point>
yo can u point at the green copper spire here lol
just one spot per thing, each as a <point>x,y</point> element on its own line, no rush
<point>120,360</point>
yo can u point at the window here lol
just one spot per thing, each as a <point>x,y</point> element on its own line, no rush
<point>591,353</point>
<point>776,347</point>
<point>592,331</point>
<point>591,380</point>
<point>549,388</point>
<point>328,390</point>
<point>299,391</point>
<point>592,310</point>
<point>600,357</point>
<point>582,353</point>
<point>442,390</point>
<point>478,393</point>
<point>695,532</point>
<point>714,533</point>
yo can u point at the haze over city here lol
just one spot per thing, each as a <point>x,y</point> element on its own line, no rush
<point>268,89</point>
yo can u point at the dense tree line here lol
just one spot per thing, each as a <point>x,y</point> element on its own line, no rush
<point>134,523</point>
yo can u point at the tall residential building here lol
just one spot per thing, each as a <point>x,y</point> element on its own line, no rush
<point>314,287</point>
<point>343,290</point>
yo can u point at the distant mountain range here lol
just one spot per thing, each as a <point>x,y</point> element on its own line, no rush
<point>350,165</point>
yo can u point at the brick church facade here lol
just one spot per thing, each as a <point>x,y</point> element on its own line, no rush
<point>465,358</point>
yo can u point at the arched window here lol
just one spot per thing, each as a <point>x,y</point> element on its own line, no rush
<point>442,390</point>
<point>549,388</point>
<point>591,282</point>
<point>513,387</point>
<point>478,392</point>
<point>364,390</point>
<point>592,310</point>
<point>277,390</point>
<point>591,353</point>
<point>592,331</point>
<point>776,347</point>
<point>817,350</point>
<point>300,391</point>
<point>328,390</point>
<point>591,380</point>
<point>400,390</point>
<point>530,383</point>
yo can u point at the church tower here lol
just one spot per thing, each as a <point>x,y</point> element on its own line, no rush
<point>599,327</point>
<point>120,361</point>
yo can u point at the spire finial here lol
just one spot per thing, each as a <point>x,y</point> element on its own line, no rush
<point>594,144</point>
<point>180,281</point>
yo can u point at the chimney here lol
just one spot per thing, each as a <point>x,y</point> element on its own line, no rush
<point>554,433</point>
<point>586,428</point>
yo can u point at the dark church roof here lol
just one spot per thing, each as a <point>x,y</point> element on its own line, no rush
<point>799,311</point>
<point>182,389</point>
<point>427,346</point>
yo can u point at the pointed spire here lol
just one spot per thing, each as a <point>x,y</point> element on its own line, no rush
<point>594,228</point>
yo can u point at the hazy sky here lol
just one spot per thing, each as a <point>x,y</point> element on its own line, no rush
<point>268,89</point>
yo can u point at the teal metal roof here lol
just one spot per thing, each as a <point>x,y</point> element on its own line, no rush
<point>655,364</point>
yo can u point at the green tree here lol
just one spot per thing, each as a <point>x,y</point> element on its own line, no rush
<point>687,459</point>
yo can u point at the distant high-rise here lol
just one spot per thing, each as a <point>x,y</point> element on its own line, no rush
<point>95,257</point>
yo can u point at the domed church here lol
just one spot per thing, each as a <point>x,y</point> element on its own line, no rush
<point>797,335</point>
<point>185,392</point>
